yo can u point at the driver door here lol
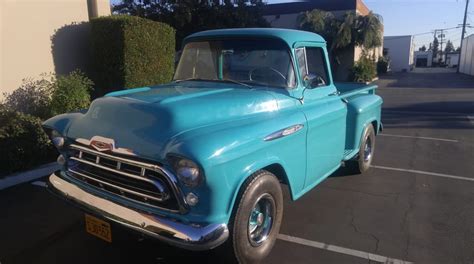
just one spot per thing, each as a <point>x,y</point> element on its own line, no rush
<point>325,114</point>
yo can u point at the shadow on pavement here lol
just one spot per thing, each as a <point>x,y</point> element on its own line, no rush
<point>426,80</point>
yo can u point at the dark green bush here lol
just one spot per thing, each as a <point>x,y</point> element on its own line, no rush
<point>33,97</point>
<point>70,93</point>
<point>23,142</point>
<point>364,70</point>
<point>382,65</point>
<point>129,51</point>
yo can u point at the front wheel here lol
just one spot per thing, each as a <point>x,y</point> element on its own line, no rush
<point>366,151</point>
<point>256,219</point>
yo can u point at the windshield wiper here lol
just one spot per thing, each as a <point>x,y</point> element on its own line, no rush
<point>234,81</point>
<point>189,79</point>
<point>214,80</point>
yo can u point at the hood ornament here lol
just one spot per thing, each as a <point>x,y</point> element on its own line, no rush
<point>104,144</point>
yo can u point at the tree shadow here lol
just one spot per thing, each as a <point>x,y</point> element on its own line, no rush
<point>70,47</point>
<point>435,115</point>
<point>426,80</point>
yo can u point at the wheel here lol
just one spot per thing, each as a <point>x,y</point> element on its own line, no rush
<point>256,219</point>
<point>366,151</point>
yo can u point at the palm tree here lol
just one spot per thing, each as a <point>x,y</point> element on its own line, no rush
<point>340,34</point>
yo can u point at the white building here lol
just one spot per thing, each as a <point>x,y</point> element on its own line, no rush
<point>467,56</point>
<point>423,58</point>
<point>400,50</point>
<point>44,36</point>
<point>452,59</point>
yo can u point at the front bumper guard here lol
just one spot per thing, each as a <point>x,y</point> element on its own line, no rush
<point>187,236</point>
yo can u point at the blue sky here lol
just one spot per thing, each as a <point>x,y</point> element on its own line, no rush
<point>411,17</point>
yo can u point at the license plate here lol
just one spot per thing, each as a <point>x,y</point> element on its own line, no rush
<point>98,228</point>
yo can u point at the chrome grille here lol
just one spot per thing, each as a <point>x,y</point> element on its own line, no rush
<point>134,180</point>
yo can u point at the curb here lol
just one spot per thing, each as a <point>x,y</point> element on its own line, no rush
<point>26,176</point>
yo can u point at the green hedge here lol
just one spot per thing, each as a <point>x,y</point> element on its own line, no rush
<point>71,93</point>
<point>382,65</point>
<point>130,52</point>
<point>364,70</point>
<point>23,142</point>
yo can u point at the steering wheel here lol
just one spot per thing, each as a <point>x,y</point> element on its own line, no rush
<point>270,69</point>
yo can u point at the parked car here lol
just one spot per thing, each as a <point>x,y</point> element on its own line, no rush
<point>200,162</point>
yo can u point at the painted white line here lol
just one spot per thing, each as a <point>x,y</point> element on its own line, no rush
<point>425,173</point>
<point>341,250</point>
<point>427,138</point>
<point>27,176</point>
<point>40,184</point>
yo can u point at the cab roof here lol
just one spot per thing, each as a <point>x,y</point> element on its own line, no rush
<point>290,36</point>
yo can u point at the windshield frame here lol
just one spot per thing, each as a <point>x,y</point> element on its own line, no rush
<point>287,49</point>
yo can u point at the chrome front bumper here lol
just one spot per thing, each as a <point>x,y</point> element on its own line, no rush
<point>187,236</point>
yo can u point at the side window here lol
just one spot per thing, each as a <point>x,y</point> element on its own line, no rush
<point>316,63</point>
<point>301,59</point>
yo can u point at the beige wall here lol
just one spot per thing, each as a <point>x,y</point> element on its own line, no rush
<point>26,28</point>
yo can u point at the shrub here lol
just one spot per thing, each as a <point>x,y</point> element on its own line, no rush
<point>23,142</point>
<point>382,65</point>
<point>71,92</point>
<point>32,97</point>
<point>129,51</point>
<point>364,70</point>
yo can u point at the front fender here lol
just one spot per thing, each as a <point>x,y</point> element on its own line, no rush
<point>61,123</point>
<point>229,153</point>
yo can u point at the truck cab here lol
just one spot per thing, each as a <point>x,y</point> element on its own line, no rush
<point>199,162</point>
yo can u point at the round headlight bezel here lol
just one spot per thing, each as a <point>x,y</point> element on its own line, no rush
<point>57,139</point>
<point>188,172</point>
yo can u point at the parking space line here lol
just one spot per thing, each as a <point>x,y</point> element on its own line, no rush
<point>425,173</point>
<point>427,138</point>
<point>341,250</point>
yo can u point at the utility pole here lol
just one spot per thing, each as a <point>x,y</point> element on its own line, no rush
<point>463,32</point>
<point>441,37</point>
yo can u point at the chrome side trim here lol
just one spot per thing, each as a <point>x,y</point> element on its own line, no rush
<point>118,187</point>
<point>188,236</point>
<point>284,132</point>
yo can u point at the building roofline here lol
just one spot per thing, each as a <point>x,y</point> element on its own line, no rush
<point>326,5</point>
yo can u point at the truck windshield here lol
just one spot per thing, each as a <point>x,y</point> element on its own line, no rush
<point>255,62</point>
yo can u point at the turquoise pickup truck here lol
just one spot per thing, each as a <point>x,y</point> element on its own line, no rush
<point>200,162</point>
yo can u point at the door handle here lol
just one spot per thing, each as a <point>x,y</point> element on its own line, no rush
<point>334,93</point>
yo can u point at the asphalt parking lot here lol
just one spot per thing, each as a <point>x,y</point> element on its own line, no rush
<point>415,205</point>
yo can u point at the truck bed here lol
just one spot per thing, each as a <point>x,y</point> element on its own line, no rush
<point>348,89</point>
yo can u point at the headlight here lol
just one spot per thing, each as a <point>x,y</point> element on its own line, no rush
<point>57,139</point>
<point>188,172</point>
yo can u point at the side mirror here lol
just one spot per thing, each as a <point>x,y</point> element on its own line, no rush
<point>312,81</point>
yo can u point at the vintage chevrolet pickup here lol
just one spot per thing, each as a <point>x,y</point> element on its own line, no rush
<point>200,162</point>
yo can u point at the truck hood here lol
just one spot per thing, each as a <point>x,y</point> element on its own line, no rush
<point>145,119</point>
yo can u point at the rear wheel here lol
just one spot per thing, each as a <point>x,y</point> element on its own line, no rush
<point>256,219</point>
<point>366,151</point>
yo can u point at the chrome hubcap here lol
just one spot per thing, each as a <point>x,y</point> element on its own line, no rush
<point>261,220</point>
<point>368,150</point>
